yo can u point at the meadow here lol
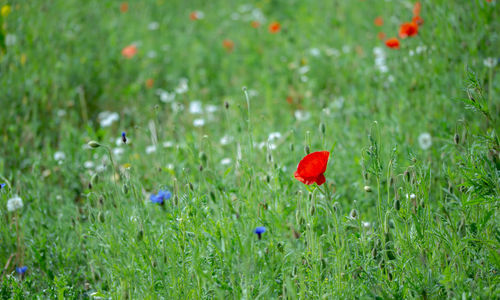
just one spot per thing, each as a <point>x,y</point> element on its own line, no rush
<point>176,149</point>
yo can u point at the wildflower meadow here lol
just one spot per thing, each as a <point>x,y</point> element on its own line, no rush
<point>269,149</point>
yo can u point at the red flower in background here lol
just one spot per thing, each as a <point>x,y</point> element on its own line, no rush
<point>124,7</point>
<point>255,24</point>
<point>378,21</point>
<point>408,30</point>
<point>274,27</point>
<point>392,43</point>
<point>196,15</point>
<point>381,36</point>
<point>149,83</point>
<point>129,51</point>
<point>416,8</point>
<point>417,20</point>
<point>228,44</point>
<point>311,168</point>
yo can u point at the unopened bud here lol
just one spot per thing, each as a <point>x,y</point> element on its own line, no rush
<point>322,128</point>
<point>226,105</point>
<point>368,189</point>
<point>353,214</point>
<point>307,150</point>
<point>203,157</point>
<point>456,138</point>
<point>94,144</point>
<point>291,147</point>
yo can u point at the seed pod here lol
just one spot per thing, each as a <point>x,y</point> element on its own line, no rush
<point>307,150</point>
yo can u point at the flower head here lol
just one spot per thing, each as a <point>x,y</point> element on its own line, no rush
<point>6,9</point>
<point>425,140</point>
<point>417,20</point>
<point>408,29</point>
<point>311,168</point>
<point>124,137</point>
<point>274,27</point>
<point>416,8</point>
<point>228,45</point>
<point>129,51</point>
<point>2,185</point>
<point>21,270</point>
<point>160,197</point>
<point>378,21</point>
<point>149,83</point>
<point>259,231</point>
<point>392,43</point>
<point>15,203</point>
<point>124,7</point>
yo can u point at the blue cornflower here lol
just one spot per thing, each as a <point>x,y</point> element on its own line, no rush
<point>2,185</point>
<point>259,231</point>
<point>160,197</point>
<point>21,270</point>
<point>124,137</point>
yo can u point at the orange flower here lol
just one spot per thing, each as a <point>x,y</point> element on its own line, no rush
<point>417,20</point>
<point>381,36</point>
<point>392,43</point>
<point>124,7</point>
<point>228,44</point>
<point>274,27</point>
<point>416,9</point>
<point>129,51</point>
<point>196,15</point>
<point>149,83</point>
<point>378,21</point>
<point>255,24</point>
<point>408,29</point>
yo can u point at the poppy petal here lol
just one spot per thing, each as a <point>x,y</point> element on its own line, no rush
<point>313,164</point>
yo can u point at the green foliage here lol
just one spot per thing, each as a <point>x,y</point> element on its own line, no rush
<point>403,214</point>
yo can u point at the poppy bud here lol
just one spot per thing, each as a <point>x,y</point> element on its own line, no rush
<point>94,179</point>
<point>291,147</point>
<point>397,204</point>
<point>200,168</point>
<point>226,105</point>
<point>322,127</point>
<point>140,234</point>
<point>307,150</point>
<point>368,189</point>
<point>191,187</point>
<point>407,175</point>
<point>268,178</point>
<point>456,138</point>
<point>94,144</point>
<point>100,217</point>
<point>203,157</point>
<point>125,189</point>
<point>353,214</point>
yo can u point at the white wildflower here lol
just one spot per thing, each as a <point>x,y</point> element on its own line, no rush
<point>302,115</point>
<point>165,96</point>
<point>195,107</point>
<point>225,161</point>
<point>425,140</point>
<point>182,87</point>
<point>150,149</point>
<point>198,122</point>
<point>153,26</point>
<point>107,118</point>
<point>314,52</point>
<point>88,164</point>
<point>15,203</point>
<point>168,144</point>
<point>490,62</point>
<point>225,140</point>
<point>10,39</point>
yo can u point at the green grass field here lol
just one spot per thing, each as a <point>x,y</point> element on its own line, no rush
<point>220,101</point>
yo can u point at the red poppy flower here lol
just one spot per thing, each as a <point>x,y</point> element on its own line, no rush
<point>124,7</point>
<point>311,168</point>
<point>274,27</point>
<point>417,20</point>
<point>408,30</point>
<point>392,43</point>
<point>255,24</point>
<point>378,21</point>
<point>149,83</point>
<point>381,36</point>
<point>416,9</point>
<point>195,15</point>
<point>129,51</point>
<point>228,44</point>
